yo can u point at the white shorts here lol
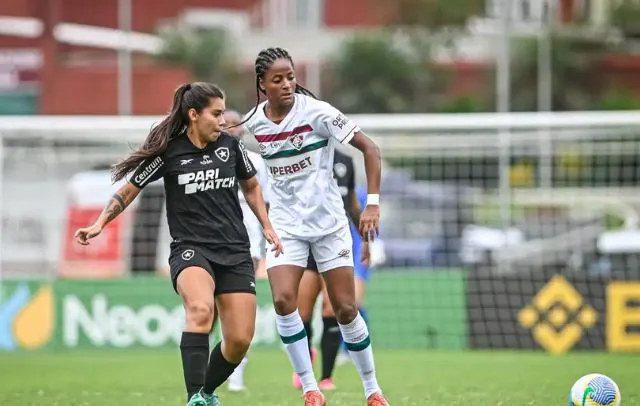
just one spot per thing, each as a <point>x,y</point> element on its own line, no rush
<point>331,251</point>
<point>254,229</point>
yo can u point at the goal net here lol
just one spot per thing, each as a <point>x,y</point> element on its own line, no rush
<point>497,231</point>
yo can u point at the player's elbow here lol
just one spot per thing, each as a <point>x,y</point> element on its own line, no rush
<point>369,148</point>
<point>250,186</point>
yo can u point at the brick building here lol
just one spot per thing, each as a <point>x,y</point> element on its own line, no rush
<point>60,56</point>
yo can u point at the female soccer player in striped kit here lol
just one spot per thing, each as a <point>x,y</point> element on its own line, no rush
<point>297,135</point>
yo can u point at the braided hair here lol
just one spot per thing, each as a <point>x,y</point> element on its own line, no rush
<point>265,59</point>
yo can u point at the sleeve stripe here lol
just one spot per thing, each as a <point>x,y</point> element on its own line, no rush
<point>142,177</point>
<point>245,158</point>
<point>350,134</point>
<point>147,178</point>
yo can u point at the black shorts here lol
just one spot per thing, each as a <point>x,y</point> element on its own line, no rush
<point>236,278</point>
<point>311,263</point>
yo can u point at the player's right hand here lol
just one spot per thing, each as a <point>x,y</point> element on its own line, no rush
<point>83,235</point>
<point>273,239</point>
<point>370,222</point>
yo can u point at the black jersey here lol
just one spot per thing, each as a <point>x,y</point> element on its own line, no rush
<point>201,189</point>
<point>344,173</point>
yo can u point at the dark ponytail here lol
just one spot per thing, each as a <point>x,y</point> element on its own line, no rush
<point>188,96</point>
<point>265,59</point>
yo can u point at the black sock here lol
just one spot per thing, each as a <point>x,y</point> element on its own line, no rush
<point>309,330</point>
<point>330,344</point>
<point>194,348</point>
<point>218,371</point>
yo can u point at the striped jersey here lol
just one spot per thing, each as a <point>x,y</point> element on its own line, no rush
<point>304,197</point>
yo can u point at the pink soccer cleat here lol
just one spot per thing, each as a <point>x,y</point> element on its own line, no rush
<point>327,384</point>
<point>314,398</point>
<point>377,400</point>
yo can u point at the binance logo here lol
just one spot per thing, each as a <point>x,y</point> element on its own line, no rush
<point>557,316</point>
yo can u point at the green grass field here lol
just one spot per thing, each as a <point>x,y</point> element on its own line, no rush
<point>154,378</point>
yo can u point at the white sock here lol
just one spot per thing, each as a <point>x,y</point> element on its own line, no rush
<point>294,337</point>
<point>237,377</point>
<point>356,338</point>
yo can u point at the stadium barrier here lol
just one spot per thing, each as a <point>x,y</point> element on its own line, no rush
<point>145,312</point>
<point>558,315</point>
<point>447,309</point>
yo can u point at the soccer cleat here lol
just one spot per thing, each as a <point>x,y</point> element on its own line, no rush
<point>201,399</point>
<point>197,400</point>
<point>377,400</point>
<point>295,380</point>
<point>327,384</point>
<point>314,398</point>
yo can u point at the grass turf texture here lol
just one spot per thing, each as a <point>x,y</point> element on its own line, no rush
<point>154,378</point>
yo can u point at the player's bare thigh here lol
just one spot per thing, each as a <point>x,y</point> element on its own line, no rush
<point>341,291</point>
<point>334,256</point>
<point>196,288</point>
<point>285,273</point>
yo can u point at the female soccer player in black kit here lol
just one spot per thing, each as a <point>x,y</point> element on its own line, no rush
<point>210,257</point>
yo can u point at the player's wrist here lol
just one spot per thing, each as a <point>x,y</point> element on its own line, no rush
<point>373,199</point>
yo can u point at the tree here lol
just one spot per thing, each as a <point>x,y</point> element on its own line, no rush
<point>437,15</point>
<point>573,66</point>
<point>207,55</point>
<point>625,15</point>
<point>373,76</point>
<point>393,70</point>
<point>434,22</point>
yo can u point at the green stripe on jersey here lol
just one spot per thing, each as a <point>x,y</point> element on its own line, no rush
<point>294,152</point>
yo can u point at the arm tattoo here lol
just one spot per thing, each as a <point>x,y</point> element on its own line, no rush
<point>113,210</point>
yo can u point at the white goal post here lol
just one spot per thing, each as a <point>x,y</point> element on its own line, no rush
<point>39,154</point>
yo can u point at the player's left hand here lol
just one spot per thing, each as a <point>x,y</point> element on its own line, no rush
<point>273,239</point>
<point>365,258</point>
<point>370,222</point>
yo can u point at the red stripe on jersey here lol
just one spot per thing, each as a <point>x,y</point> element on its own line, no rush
<point>285,135</point>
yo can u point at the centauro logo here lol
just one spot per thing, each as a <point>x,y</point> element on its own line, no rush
<point>200,181</point>
<point>26,317</point>
<point>557,316</point>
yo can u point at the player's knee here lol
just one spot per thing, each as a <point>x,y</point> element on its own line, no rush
<point>346,312</point>
<point>285,302</point>
<point>199,314</point>
<point>237,344</point>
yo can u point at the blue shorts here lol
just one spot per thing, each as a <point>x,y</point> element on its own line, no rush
<point>360,271</point>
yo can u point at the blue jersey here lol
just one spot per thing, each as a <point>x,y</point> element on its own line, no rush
<point>360,270</point>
